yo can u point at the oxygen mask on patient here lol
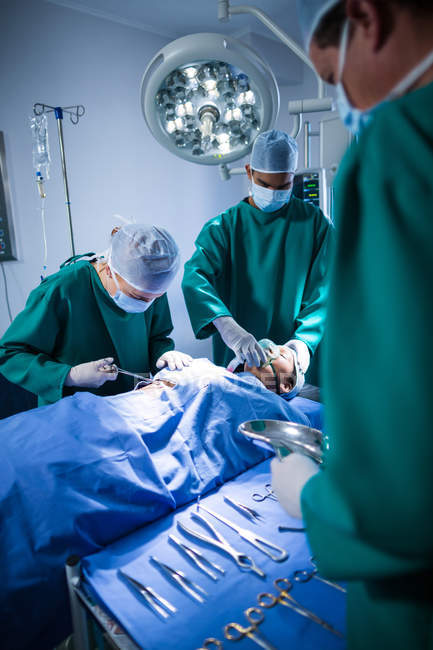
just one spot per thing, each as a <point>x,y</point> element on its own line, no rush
<point>280,373</point>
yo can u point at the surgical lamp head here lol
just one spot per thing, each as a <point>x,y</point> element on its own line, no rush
<point>274,152</point>
<point>205,97</point>
<point>310,14</point>
<point>146,256</point>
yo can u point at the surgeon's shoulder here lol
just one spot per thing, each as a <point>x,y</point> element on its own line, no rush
<point>220,226</point>
<point>65,282</point>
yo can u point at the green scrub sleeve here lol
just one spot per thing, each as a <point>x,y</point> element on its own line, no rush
<point>27,346</point>
<point>160,330</point>
<point>310,322</point>
<point>202,274</point>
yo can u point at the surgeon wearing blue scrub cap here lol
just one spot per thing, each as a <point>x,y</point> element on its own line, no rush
<point>95,311</point>
<point>260,268</point>
<point>368,513</point>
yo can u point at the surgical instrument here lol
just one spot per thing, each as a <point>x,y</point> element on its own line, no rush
<point>256,496</point>
<point>249,536</point>
<point>242,560</point>
<point>290,529</point>
<point>252,515</point>
<point>153,600</point>
<point>113,368</point>
<point>284,586</point>
<point>198,558</point>
<point>304,575</point>
<point>209,643</point>
<point>184,583</point>
<point>236,631</point>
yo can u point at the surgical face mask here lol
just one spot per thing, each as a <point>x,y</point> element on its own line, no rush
<point>356,119</point>
<point>269,200</point>
<point>128,304</point>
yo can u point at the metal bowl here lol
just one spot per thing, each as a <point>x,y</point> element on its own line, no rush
<point>285,436</point>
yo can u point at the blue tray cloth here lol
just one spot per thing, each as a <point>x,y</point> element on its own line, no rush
<point>231,595</point>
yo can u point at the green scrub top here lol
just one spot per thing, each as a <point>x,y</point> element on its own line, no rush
<point>369,512</point>
<point>70,319</point>
<point>268,270</point>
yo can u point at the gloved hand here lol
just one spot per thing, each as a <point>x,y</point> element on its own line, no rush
<point>288,479</point>
<point>302,353</point>
<point>174,360</point>
<point>243,344</point>
<point>90,375</point>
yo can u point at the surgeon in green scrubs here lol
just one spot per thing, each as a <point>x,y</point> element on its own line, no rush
<point>260,268</point>
<point>368,513</point>
<point>94,312</point>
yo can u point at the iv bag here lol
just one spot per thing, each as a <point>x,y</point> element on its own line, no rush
<point>41,148</point>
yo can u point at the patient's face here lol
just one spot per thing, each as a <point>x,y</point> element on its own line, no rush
<point>280,380</point>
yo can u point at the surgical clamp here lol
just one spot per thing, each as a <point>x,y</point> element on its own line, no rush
<point>284,586</point>
<point>242,560</point>
<point>113,368</point>
<point>304,575</point>
<point>198,558</point>
<point>249,536</point>
<point>254,616</point>
<point>153,600</point>
<point>251,514</point>
<point>184,583</point>
<point>256,496</point>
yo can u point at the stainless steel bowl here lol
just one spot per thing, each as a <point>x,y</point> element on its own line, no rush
<point>286,436</point>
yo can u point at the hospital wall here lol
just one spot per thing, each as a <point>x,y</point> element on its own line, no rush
<point>58,56</point>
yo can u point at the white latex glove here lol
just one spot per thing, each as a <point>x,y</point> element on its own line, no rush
<point>90,375</point>
<point>288,479</point>
<point>243,344</point>
<point>302,353</point>
<point>174,360</point>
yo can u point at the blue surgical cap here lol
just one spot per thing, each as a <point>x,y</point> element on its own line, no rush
<point>146,256</point>
<point>310,14</point>
<point>274,152</point>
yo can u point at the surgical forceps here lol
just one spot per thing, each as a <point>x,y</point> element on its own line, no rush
<point>251,514</point>
<point>249,536</point>
<point>198,558</point>
<point>236,631</point>
<point>113,368</point>
<point>153,600</point>
<point>178,577</point>
<point>270,494</point>
<point>304,575</point>
<point>242,560</point>
<point>284,586</point>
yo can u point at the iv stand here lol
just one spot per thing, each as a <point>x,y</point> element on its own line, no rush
<point>75,112</point>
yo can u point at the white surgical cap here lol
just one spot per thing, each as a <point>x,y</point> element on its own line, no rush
<point>274,152</point>
<point>147,257</point>
<point>310,14</point>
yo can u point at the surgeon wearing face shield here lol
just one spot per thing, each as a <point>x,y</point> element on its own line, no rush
<point>368,512</point>
<point>260,268</point>
<point>96,311</point>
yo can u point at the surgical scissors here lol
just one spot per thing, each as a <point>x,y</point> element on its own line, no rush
<point>180,579</point>
<point>242,560</point>
<point>304,575</point>
<point>249,536</point>
<point>153,600</point>
<point>198,558</point>
<point>113,368</point>
<point>284,586</point>
<point>256,496</point>
<point>236,631</point>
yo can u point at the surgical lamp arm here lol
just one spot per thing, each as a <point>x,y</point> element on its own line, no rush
<point>225,11</point>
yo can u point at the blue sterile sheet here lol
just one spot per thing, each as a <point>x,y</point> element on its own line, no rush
<point>230,595</point>
<point>87,470</point>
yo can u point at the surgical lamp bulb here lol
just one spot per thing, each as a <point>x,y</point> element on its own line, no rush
<point>198,90</point>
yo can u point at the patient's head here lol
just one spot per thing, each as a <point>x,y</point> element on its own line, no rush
<point>280,374</point>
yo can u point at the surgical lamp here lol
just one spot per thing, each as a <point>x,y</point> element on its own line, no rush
<point>205,97</point>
